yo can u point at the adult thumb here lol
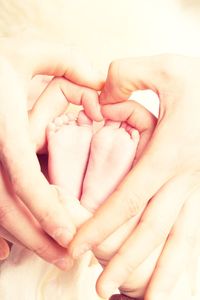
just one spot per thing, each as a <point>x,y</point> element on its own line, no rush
<point>128,75</point>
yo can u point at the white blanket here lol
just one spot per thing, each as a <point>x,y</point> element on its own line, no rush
<point>24,276</point>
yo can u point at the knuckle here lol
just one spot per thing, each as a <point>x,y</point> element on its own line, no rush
<point>45,218</point>
<point>133,204</point>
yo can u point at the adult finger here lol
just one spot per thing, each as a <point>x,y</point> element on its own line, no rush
<point>151,231</point>
<point>50,104</point>
<point>52,59</point>
<point>15,140</point>
<point>4,249</point>
<point>54,101</point>
<point>15,143</point>
<point>8,236</point>
<point>137,116</point>
<point>178,251</point>
<point>26,229</point>
<point>35,55</point>
<point>36,87</point>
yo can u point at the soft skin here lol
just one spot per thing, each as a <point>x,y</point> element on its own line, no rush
<point>166,176</point>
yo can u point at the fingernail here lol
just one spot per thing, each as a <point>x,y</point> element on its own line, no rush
<point>77,252</point>
<point>64,263</point>
<point>63,236</point>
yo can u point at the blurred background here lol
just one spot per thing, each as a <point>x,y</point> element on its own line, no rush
<point>109,29</point>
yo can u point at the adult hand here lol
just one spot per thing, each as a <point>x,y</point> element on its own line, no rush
<point>165,178</point>
<point>21,58</point>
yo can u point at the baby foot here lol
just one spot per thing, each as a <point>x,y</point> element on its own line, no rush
<point>112,147</point>
<point>69,138</point>
<point>112,153</point>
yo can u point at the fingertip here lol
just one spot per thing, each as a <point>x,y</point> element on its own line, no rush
<point>94,113</point>
<point>105,289</point>
<point>4,255</point>
<point>76,251</point>
<point>63,236</point>
<point>4,249</point>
